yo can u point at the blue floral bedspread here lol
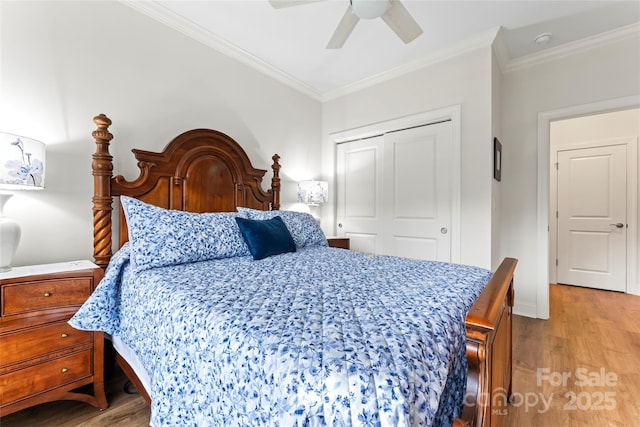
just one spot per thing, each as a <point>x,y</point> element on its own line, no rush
<point>319,337</point>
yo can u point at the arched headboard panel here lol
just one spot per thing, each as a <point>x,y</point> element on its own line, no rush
<point>200,170</point>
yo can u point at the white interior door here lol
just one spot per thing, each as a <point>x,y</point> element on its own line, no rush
<point>416,212</point>
<point>394,193</point>
<point>592,217</point>
<point>359,176</point>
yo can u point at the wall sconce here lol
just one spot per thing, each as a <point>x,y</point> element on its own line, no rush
<point>313,193</point>
<point>21,168</point>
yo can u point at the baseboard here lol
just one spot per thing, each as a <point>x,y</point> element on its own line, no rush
<point>526,310</point>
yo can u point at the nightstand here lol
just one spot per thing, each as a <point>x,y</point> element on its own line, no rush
<point>338,242</point>
<point>43,358</point>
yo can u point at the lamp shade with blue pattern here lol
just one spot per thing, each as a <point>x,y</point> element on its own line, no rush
<point>22,162</point>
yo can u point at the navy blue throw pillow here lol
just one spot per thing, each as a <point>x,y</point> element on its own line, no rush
<point>266,237</point>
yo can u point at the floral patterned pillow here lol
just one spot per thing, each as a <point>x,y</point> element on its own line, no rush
<point>303,227</point>
<point>161,237</point>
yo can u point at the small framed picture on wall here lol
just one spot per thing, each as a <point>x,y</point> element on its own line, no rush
<point>497,159</point>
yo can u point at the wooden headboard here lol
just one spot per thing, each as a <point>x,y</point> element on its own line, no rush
<point>200,170</point>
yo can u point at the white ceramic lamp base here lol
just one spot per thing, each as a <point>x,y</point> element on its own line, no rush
<point>9,236</point>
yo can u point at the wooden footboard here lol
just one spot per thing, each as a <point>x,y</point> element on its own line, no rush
<point>489,354</point>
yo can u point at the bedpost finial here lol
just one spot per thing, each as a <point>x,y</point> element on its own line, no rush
<point>275,183</point>
<point>102,121</point>
<point>102,133</point>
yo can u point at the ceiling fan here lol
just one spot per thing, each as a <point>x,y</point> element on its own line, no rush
<point>392,12</point>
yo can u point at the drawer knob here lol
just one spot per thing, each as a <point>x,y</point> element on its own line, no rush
<point>64,370</point>
<point>64,335</point>
<point>47,294</point>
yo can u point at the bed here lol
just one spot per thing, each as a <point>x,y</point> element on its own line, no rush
<point>224,310</point>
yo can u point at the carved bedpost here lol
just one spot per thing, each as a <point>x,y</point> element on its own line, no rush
<point>474,410</point>
<point>275,183</point>
<point>102,167</point>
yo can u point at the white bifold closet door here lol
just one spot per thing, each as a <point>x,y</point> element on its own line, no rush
<point>394,192</point>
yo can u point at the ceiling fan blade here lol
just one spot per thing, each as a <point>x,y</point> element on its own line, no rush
<point>344,29</point>
<point>401,22</point>
<point>279,4</point>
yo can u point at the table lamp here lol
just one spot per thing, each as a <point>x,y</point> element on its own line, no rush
<point>22,163</point>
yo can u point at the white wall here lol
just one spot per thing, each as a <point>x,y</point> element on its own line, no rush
<point>496,186</point>
<point>62,63</point>
<point>595,75</point>
<point>596,127</point>
<point>463,80</point>
<point>592,129</point>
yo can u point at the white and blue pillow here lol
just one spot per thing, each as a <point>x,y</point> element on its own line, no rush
<point>303,227</point>
<point>161,237</point>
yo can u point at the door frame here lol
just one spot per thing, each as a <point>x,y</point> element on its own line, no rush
<point>632,191</point>
<point>452,114</point>
<point>543,225</point>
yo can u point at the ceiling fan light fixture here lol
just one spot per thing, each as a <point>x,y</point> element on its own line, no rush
<point>370,9</point>
<point>392,12</point>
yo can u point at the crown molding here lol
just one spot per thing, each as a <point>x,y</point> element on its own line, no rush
<point>167,17</point>
<point>492,37</point>
<point>480,40</point>
<point>578,46</point>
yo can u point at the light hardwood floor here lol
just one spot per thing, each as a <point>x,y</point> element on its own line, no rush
<point>580,368</point>
<point>583,361</point>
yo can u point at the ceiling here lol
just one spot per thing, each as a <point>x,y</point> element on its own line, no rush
<point>289,43</point>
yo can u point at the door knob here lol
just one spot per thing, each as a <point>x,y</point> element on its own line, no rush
<point>444,230</point>
<point>618,225</point>
<point>340,225</point>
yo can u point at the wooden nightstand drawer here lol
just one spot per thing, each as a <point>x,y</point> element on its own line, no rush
<point>45,294</point>
<point>40,378</point>
<point>30,343</point>
<point>339,242</point>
